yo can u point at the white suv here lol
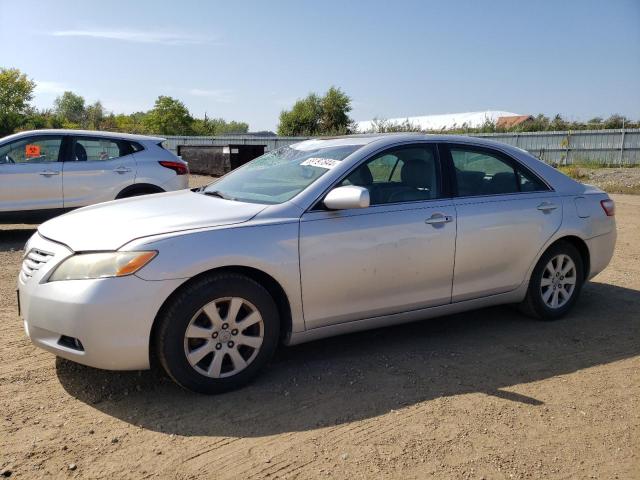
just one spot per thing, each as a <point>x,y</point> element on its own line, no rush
<point>46,172</point>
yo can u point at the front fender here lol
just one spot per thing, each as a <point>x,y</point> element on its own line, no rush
<point>270,248</point>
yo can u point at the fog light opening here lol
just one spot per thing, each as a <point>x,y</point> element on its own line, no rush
<point>71,342</point>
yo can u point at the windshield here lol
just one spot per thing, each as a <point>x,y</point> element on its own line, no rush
<point>280,175</point>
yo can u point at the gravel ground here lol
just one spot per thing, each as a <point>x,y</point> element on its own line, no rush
<point>612,180</point>
<point>486,394</point>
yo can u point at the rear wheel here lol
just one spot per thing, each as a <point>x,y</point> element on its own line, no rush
<point>555,283</point>
<point>218,333</point>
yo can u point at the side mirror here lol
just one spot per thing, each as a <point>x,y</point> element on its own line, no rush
<point>343,198</point>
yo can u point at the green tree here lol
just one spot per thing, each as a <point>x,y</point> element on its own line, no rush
<point>558,123</point>
<point>303,118</point>
<point>70,109</point>
<point>335,107</point>
<point>94,117</point>
<point>616,121</point>
<point>169,116</point>
<point>315,115</point>
<point>16,91</point>
<point>133,123</point>
<point>217,126</point>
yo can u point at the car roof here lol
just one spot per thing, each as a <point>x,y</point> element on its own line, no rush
<point>392,138</point>
<point>93,133</point>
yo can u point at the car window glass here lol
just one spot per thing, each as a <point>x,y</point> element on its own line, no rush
<point>529,183</point>
<point>399,175</point>
<point>481,173</point>
<point>31,150</point>
<point>98,149</point>
<point>279,175</point>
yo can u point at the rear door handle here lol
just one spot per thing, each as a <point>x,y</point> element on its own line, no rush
<point>48,173</point>
<point>547,206</point>
<point>121,170</point>
<point>438,218</point>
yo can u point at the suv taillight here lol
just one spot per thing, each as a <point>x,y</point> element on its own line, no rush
<point>178,167</point>
<point>609,207</point>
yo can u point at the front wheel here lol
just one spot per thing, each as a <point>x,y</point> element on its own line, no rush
<point>218,333</point>
<point>555,283</point>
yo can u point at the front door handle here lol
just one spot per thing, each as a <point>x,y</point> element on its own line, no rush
<point>121,170</point>
<point>547,206</point>
<point>438,218</point>
<point>48,173</point>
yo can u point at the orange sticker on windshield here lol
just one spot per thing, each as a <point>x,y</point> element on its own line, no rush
<point>32,151</point>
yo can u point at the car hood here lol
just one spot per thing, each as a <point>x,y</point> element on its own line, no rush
<point>110,225</point>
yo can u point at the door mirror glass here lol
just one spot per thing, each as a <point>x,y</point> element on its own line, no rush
<point>344,198</point>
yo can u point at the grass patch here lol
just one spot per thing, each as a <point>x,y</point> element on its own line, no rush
<point>626,189</point>
<point>573,171</point>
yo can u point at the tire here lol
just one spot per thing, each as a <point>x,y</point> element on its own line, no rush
<point>550,281</point>
<point>203,355</point>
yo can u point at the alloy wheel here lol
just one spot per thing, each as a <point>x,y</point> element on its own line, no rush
<point>558,281</point>
<point>224,337</point>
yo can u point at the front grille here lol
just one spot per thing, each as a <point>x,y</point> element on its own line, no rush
<point>32,262</point>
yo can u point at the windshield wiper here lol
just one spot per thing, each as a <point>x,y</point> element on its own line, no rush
<point>217,193</point>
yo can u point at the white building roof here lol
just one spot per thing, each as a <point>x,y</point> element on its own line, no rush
<point>445,121</point>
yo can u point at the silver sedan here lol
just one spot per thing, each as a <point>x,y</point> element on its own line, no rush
<point>320,238</point>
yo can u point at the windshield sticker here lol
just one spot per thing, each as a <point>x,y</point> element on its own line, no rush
<point>327,163</point>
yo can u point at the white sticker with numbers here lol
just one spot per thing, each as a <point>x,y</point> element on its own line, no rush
<point>327,163</point>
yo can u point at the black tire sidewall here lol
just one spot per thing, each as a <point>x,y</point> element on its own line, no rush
<point>543,311</point>
<point>174,322</point>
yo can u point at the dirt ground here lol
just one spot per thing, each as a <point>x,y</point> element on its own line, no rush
<point>609,179</point>
<point>486,394</point>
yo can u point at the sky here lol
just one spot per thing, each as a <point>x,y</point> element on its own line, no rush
<point>248,60</point>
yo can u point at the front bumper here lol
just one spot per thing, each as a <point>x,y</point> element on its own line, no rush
<point>111,317</point>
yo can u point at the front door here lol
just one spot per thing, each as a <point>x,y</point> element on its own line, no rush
<point>394,256</point>
<point>96,169</point>
<point>30,174</point>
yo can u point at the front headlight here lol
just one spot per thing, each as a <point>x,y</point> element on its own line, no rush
<point>101,265</point>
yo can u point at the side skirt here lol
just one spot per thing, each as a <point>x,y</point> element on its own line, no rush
<point>514,296</point>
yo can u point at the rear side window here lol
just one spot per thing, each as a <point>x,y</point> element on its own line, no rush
<point>88,149</point>
<point>135,147</point>
<point>482,172</point>
<point>43,149</point>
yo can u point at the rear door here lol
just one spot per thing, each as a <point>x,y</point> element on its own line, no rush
<point>505,215</point>
<point>31,174</point>
<point>96,169</point>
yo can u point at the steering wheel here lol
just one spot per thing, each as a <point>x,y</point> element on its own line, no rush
<point>9,159</point>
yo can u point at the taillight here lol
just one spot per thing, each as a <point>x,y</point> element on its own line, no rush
<point>178,167</point>
<point>609,207</point>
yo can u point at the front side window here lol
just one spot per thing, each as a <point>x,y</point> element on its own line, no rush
<point>480,172</point>
<point>403,174</point>
<point>42,149</point>
<point>280,175</point>
<point>98,149</point>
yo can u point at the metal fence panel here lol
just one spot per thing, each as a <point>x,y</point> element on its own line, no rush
<point>611,147</point>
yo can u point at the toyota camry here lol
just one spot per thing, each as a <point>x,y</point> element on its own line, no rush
<point>315,239</point>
